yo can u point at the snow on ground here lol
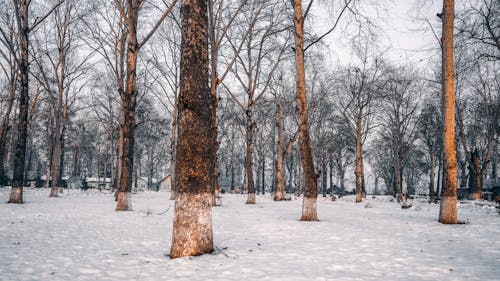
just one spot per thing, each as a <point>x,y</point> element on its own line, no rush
<point>79,236</point>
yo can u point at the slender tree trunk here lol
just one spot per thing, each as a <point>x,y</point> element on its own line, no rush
<point>173,146</point>
<point>432,191</point>
<point>324,174</point>
<point>280,182</point>
<point>214,143</point>
<point>363,185</point>
<point>309,212</point>
<point>397,172</point>
<point>330,166</point>
<point>263,186</point>
<point>192,230</point>
<point>448,208</point>
<point>359,151</point>
<point>249,160</point>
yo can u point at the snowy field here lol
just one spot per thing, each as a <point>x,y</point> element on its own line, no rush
<point>79,236</point>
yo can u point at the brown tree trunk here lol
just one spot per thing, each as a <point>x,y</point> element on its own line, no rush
<point>192,230</point>
<point>357,171</point>
<point>280,181</point>
<point>249,160</point>
<point>22,12</point>
<point>128,104</point>
<point>309,212</point>
<point>448,208</point>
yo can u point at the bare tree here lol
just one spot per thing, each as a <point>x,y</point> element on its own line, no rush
<point>24,28</point>
<point>254,70</point>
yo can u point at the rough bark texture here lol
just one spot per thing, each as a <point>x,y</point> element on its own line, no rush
<point>309,212</point>
<point>192,230</point>
<point>448,208</point>
<point>128,104</point>
<point>22,11</point>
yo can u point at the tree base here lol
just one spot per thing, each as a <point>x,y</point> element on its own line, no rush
<point>192,231</point>
<point>173,195</point>
<point>279,196</point>
<point>251,198</point>
<point>124,202</point>
<point>476,196</point>
<point>309,209</point>
<point>359,197</point>
<point>16,195</point>
<point>448,210</point>
<point>53,192</point>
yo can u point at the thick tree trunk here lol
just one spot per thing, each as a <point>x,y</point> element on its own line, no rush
<point>448,208</point>
<point>309,212</point>
<point>16,195</point>
<point>192,230</point>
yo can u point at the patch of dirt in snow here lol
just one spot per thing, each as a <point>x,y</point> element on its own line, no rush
<point>79,236</point>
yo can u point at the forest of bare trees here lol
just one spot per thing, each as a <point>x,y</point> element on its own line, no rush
<point>243,90</point>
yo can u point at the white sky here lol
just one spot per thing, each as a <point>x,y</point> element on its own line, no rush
<point>404,32</point>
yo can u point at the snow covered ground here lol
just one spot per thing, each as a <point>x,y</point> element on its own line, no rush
<point>78,236</point>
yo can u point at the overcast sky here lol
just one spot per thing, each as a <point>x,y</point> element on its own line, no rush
<point>403,31</point>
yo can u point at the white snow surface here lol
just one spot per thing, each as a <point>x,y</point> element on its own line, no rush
<point>79,236</point>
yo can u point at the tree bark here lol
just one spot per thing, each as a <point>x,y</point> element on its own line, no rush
<point>192,230</point>
<point>476,177</point>
<point>249,160</point>
<point>309,212</point>
<point>432,176</point>
<point>448,208</point>
<point>22,13</point>
<point>280,182</point>
<point>128,104</point>
<point>359,151</point>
